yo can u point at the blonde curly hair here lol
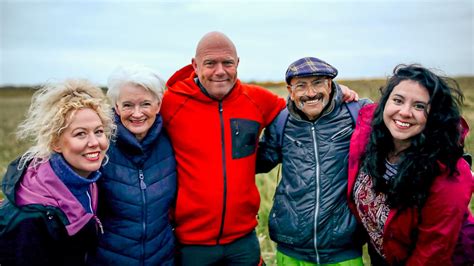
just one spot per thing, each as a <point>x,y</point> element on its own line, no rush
<point>50,108</point>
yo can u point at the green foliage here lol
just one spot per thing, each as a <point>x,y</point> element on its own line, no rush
<point>15,101</point>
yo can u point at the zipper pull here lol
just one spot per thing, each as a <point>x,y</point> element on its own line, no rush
<point>99,223</point>
<point>236,125</point>
<point>141,177</point>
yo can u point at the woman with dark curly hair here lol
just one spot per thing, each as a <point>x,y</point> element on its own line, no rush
<point>408,183</point>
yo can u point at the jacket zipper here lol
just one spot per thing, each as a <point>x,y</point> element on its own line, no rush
<point>141,178</point>
<point>221,118</point>
<point>316,211</point>
<point>97,221</point>
<point>296,142</point>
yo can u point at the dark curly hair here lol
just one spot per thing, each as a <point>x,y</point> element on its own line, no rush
<point>438,142</point>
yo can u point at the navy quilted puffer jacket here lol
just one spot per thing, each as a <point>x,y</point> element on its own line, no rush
<point>137,189</point>
<point>310,219</point>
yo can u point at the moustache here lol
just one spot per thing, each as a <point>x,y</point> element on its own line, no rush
<point>317,96</point>
<point>303,99</point>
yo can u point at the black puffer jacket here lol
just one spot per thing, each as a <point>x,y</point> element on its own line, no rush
<point>310,219</point>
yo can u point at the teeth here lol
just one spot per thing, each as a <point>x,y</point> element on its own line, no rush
<point>313,101</point>
<point>92,155</point>
<point>402,124</point>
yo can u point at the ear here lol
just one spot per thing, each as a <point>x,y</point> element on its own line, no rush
<point>194,63</point>
<point>290,91</point>
<point>159,107</point>
<point>56,147</point>
<point>237,63</point>
<point>117,110</point>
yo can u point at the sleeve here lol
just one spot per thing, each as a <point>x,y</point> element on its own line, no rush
<point>441,219</point>
<point>269,103</point>
<point>269,150</point>
<point>171,104</point>
<point>365,101</point>
<point>167,107</point>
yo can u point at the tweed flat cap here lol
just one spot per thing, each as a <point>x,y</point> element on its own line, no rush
<point>310,66</point>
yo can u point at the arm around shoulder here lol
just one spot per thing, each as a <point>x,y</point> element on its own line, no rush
<point>269,152</point>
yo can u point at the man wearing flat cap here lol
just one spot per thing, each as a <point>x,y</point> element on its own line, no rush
<point>310,220</point>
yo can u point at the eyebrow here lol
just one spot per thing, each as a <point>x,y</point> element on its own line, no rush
<point>403,97</point>
<point>86,128</point>
<point>399,95</point>
<point>130,102</point>
<point>310,81</point>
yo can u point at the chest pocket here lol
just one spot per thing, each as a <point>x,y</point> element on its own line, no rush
<point>244,137</point>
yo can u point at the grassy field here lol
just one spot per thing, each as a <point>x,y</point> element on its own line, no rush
<point>15,101</point>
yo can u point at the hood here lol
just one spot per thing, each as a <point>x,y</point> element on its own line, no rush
<point>183,82</point>
<point>41,186</point>
<point>11,179</point>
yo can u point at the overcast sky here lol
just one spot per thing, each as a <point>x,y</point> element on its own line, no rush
<point>53,40</point>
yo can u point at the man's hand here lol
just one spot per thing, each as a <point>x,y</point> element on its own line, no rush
<point>348,95</point>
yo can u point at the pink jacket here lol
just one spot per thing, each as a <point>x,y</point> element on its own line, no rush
<point>441,216</point>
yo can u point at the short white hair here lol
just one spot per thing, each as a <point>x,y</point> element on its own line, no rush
<point>137,75</point>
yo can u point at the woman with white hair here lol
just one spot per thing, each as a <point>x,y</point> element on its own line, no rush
<point>139,182</point>
<point>49,214</point>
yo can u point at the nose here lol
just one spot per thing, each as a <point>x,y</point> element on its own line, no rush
<point>405,110</point>
<point>219,69</point>
<point>136,110</point>
<point>93,140</point>
<point>311,91</point>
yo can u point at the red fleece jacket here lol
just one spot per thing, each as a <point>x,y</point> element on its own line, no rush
<point>214,143</point>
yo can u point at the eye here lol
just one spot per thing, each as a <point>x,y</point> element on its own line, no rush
<point>127,106</point>
<point>300,86</point>
<point>397,101</point>
<point>420,106</point>
<point>228,63</point>
<point>99,132</point>
<point>208,63</point>
<point>145,104</point>
<point>80,134</point>
<point>318,82</point>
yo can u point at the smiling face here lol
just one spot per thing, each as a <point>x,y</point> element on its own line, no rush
<point>405,113</point>
<point>137,108</point>
<point>216,64</point>
<point>83,142</point>
<point>310,94</point>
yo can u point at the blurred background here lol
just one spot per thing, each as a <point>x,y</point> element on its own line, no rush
<point>45,40</point>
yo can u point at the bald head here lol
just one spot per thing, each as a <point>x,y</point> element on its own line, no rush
<point>215,64</point>
<point>215,41</point>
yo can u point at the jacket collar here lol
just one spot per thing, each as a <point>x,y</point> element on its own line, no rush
<point>40,185</point>
<point>138,150</point>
